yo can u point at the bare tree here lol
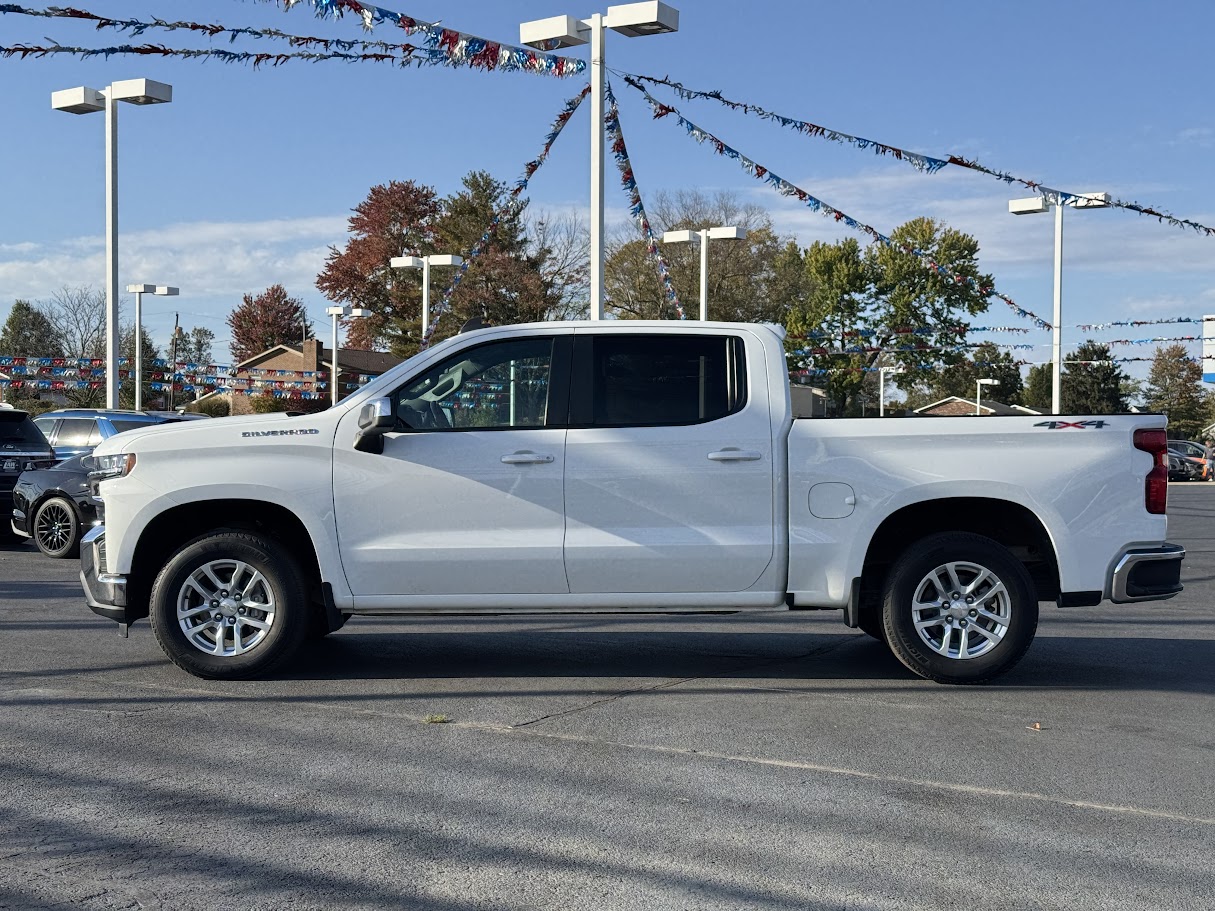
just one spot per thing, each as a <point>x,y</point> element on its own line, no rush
<point>78,316</point>
<point>561,244</point>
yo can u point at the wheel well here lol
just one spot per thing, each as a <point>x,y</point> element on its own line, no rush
<point>1008,523</point>
<point>165,534</point>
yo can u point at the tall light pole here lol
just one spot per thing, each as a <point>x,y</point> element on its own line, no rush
<point>882,371</point>
<point>424,263</point>
<point>139,291</point>
<point>979,384</point>
<point>83,100</point>
<point>339,313</point>
<point>1035,205</point>
<point>631,20</point>
<point>703,236</point>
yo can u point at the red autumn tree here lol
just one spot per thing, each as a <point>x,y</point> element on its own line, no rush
<point>272,318</point>
<point>506,283</point>
<point>394,220</point>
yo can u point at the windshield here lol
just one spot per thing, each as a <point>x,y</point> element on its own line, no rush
<point>16,429</point>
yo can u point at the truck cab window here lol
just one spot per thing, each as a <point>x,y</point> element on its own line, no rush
<point>666,380</point>
<point>493,386</point>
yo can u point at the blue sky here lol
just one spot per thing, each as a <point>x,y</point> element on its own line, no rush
<point>249,175</point>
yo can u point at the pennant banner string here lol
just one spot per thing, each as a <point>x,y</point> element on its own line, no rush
<point>785,188</point>
<point>636,207</point>
<point>520,185</point>
<point>924,163</point>
<point>439,51</point>
<point>478,52</point>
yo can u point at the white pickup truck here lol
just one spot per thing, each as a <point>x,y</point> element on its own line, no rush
<point>632,467</point>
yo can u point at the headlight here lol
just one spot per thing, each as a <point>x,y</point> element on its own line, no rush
<point>102,468</point>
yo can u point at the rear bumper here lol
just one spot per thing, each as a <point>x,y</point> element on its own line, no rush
<point>105,593</point>
<point>1147,574</point>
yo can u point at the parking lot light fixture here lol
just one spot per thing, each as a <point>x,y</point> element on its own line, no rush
<point>341,312</point>
<point>979,384</point>
<point>703,237</point>
<point>424,263</point>
<point>632,20</point>
<point>139,291</point>
<point>85,100</point>
<point>1037,205</point>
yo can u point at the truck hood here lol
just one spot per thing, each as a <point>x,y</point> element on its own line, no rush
<point>195,433</point>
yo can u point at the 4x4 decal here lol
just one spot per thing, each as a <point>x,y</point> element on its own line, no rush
<point>1075,425</point>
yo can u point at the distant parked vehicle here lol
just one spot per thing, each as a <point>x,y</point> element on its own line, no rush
<point>1196,452</point>
<point>1182,468</point>
<point>76,431</point>
<point>21,444</point>
<point>54,506</point>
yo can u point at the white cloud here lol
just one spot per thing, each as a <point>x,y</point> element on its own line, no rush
<point>1203,137</point>
<point>206,259</point>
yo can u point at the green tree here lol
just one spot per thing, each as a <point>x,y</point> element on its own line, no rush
<point>865,301</point>
<point>1039,387</point>
<point>506,283</point>
<point>986,362</point>
<point>1092,383</point>
<point>194,347</point>
<point>1174,387</point>
<point>29,332</point>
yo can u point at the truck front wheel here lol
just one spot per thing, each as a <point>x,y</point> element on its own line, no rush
<point>959,608</point>
<point>230,605</point>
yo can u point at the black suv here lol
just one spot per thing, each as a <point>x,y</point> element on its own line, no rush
<point>22,445</point>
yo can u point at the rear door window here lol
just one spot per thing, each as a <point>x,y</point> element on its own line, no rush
<point>662,380</point>
<point>74,432</point>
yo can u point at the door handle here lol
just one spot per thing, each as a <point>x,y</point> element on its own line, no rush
<point>526,458</point>
<point>735,455</point>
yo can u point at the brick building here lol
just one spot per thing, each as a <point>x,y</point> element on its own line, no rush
<point>313,356</point>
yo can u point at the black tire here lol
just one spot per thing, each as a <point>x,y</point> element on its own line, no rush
<point>56,528</point>
<point>281,579</point>
<point>1016,611</point>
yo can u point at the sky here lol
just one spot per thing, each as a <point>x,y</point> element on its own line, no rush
<point>249,176</point>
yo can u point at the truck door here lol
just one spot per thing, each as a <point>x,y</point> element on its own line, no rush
<point>669,468</point>
<point>467,497</point>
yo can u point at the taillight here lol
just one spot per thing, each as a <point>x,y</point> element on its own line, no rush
<point>1156,486</point>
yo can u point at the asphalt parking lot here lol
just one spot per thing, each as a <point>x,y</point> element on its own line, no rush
<point>602,763</point>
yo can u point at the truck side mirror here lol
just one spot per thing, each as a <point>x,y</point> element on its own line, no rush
<point>375,419</point>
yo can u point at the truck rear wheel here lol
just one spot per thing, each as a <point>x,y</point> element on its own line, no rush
<point>230,605</point>
<point>959,608</point>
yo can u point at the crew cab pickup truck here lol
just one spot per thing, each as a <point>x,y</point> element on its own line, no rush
<point>631,467</point>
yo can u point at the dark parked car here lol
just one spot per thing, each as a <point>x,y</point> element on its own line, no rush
<point>76,431</point>
<point>55,507</point>
<point>21,444</point>
<point>1195,452</point>
<point>1182,468</point>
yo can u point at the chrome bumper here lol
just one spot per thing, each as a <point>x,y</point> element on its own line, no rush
<point>105,593</point>
<point>1147,574</point>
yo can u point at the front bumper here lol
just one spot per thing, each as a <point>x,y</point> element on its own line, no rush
<point>1147,574</point>
<point>105,593</point>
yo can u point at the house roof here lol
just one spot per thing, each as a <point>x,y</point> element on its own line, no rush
<point>350,360</point>
<point>987,406</point>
